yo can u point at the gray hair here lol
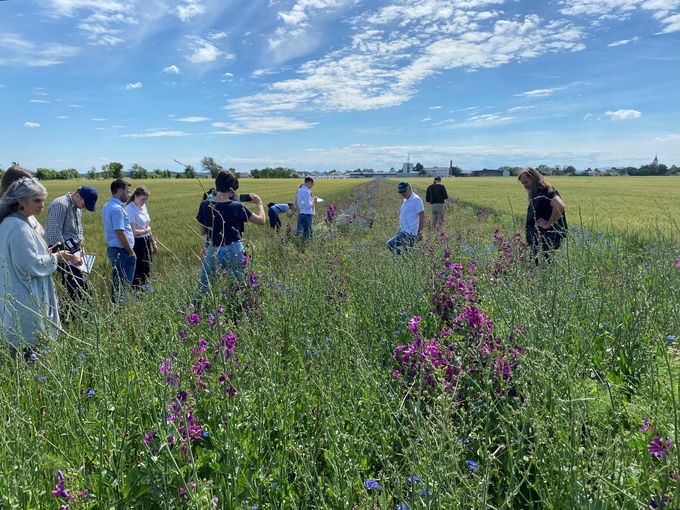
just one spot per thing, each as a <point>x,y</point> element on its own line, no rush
<point>24,188</point>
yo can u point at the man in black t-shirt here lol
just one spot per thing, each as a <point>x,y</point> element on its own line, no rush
<point>436,196</point>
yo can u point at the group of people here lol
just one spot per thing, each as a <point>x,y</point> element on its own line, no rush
<point>29,254</point>
<point>545,226</point>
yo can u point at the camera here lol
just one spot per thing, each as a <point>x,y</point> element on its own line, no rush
<point>244,197</point>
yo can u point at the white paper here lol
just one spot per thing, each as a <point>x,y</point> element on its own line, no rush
<point>319,199</point>
<point>86,264</point>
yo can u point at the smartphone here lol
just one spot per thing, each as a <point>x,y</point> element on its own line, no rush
<point>71,245</point>
<point>244,198</point>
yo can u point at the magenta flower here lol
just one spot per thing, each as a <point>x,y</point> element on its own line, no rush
<point>413,323</point>
<point>677,264</point>
<point>148,437</point>
<point>200,365</point>
<point>194,319</point>
<point>59,490</point>
<point>660,448</point>
<point>646,426</point>
<point>201,347</point>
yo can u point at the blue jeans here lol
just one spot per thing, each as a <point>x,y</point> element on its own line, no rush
<point>304,225</point>
<point>122,272</point>
<point>228,258</point>
<point>401,240</point>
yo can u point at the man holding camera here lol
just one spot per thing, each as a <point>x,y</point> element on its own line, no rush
<point>305,203</point>
<point>64,229</point>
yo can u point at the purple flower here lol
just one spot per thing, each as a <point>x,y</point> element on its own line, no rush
<point>200,365</point>
<point>148,437</point>
<point>212,320</point>
<point>91,393</point>
<point>677,264</point>
<point>201,346</point>
<point>183,334</point>
<point>81,355</point>
<point>670,338</point>
<point>371,484</point>
<point>194,319</point>
<point>59,490</point>
<point>402,506</point>
<point>646,426</point>
<point>413,323</point>
<point>660,448</point>
<point>413,479</point>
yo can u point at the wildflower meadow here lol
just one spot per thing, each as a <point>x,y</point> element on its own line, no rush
<point>337,375</point>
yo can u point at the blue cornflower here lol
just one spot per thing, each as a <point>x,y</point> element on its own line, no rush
<point>206,434</point>
<point>91,393</point>
<point>42,378</point>
<point>371,484</point>
<point>472,465</point>
<point>670,338</point>
<point>81,355</point>
<point>413,479</point>
<point>424,492</point>
<point>402,506</point>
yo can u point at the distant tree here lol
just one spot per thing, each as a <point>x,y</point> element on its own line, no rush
<point>189,172</point>
<point>569,170</point>
<point>113,170</point>
<point>273,173</point>
<point>419,169</point>
<point>138,172</point>
<point>455,171</point>
<point>209,165</point>
<point>45,174</point>
<point>92,173</point>
<point>544,169</point>
<point>255,173</point>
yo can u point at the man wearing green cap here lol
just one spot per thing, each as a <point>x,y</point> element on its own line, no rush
<point>411,220</point>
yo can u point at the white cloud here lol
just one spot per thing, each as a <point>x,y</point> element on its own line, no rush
<point>623,114</point>
<point>62,117</point>
<point>155,133</point>
<point>623,42</point>
<point>666,11</point>
<point>539,92</point>
<point>672,24</point>
<point>40,101</point>
<point>135,85</point>
<point>588,116</point>
<point>201,51</point>
<point>228,75</point>
<point>99,119</point>
<point>488,119</point>
<point>425,119</point>
<point>31,125</point>
<point>17,51</point>
<point>261,124</point>
<point>189,9</point>
<point>173,69</point>
<point>192,119</point>
<point>668,138</point>
<point>434,107</point>
<point>75,106</point>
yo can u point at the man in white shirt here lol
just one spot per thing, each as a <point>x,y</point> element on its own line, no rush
<point>305,204</point>
<point>411,220</point>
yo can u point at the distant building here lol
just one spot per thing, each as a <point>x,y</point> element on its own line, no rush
<point>655,161</point>
<point>437,171</point>
<point>487,172</point>
<point>408,168</point>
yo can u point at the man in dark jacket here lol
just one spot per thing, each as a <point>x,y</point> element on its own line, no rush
<point>436,196</point>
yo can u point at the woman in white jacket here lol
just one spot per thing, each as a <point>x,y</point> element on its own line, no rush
<point>28,301</point>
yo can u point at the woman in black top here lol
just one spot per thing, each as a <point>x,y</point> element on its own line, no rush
<point>546,223</point>
<point>221,219</point>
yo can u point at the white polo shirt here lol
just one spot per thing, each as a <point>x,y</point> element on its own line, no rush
<point>303,197</point>
<point>408,215</point>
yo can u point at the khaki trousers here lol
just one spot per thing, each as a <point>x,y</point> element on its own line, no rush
<point>437,214</point>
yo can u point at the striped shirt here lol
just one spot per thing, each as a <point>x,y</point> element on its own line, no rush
<point>64,221</point>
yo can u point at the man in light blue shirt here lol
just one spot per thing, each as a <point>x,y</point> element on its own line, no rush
<point>275,209</point>
<point>411,220</point>
<point>119,240</point>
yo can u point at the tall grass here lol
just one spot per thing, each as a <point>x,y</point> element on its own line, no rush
<point>305,410</point>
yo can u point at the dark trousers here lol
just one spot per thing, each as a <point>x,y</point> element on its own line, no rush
<point>543,243</point>
<point>76,290</point>
<point>122,272</point>
<point>274,220</point>
<point>142,249</point>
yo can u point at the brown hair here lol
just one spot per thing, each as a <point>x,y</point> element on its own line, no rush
<point>140,191</point>
<point>539,182</point>
<point>11,175</point>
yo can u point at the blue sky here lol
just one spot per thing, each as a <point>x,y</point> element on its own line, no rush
<point>323,84</point>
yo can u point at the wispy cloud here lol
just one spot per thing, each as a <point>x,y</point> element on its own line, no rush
<point>133,86</point>
<point>434,107</point>
<point>623,114</point>
<point>99,119</point>
<point>155,133</point>
<point>665,11</point>
<point>539,92</point>
<point>395,48</point>
<point>623,42</point>
<point>75,106</point>
<point>188,9</point>
<point>31,125</point>
<point>17,51</point>
<point>173,69</point>
<point>193,119</point>
<point>63,117</point>
<point>40,101</point>
<point>251,125</point>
